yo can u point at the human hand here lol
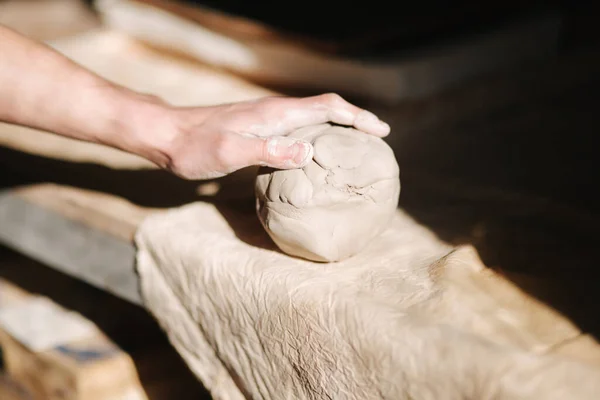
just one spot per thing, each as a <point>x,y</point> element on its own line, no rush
<point>194,143</point>
<point>210,142</point>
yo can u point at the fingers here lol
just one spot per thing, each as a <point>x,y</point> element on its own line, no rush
<point>276,152</point>
<point>337,110</point>
<point>283,152</point>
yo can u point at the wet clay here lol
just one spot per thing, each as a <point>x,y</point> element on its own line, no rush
<point>333,207</point>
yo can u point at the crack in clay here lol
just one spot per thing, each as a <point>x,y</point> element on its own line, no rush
<point>281,194</point>
<point>348,188</point>
<point>334,206</point>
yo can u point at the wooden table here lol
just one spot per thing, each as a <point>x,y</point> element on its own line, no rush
<point>501,164</point>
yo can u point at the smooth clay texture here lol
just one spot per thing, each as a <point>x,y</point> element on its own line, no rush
<point>333,207</point>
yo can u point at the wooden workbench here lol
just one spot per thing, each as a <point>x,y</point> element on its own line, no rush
<point>478,164</point>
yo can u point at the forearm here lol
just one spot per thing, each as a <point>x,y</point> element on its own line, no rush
<point>42,89</point>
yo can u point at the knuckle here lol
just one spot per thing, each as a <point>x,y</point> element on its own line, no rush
<point>259,152</point>
<point>333,99</point>
<point>271,101</point>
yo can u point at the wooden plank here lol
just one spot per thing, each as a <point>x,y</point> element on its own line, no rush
<point>390,79</point>
<point>379,32</point>
<point>42,352</point>
<point>11,390</point>
<point>100,211</point>
<point>162,373</point>
<point>238,26</point>
<point>69,245</point>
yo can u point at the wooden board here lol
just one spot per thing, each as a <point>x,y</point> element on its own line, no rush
<point>71,246</point>
<point>11,390</point>
<point>161,372</point>
<point>384,28</point>
<point>390,79</point>
<point>53,365</point>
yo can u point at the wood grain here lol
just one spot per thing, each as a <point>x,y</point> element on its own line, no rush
<point>93,368</point>
<point>161,372</point>
<point>392,79</point>
<point>11,390</point>
<point>106,213</point>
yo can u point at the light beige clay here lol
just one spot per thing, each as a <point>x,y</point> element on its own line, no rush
<point>333,207</point>
<point>408,318</point>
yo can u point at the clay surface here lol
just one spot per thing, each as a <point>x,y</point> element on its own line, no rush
<point>333,207</point>
<point>407,318</point>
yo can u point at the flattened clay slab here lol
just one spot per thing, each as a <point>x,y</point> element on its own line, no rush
<point>408,318</point>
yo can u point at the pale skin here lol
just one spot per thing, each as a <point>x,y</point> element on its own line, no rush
<point>42,89</point>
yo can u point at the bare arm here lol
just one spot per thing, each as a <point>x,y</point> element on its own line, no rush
<point>42,89</point>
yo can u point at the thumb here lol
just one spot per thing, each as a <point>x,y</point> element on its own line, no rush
<point>279,152</point>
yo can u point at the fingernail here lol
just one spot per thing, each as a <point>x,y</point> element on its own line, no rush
<point>368,122</point>
<point>293,152</point>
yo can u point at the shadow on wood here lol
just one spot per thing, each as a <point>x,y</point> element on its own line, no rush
<point>162,373</point>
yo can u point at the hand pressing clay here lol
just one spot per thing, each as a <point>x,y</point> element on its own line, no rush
<point>333,207</point>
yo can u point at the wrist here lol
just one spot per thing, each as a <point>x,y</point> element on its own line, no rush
<point>146,126</point>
